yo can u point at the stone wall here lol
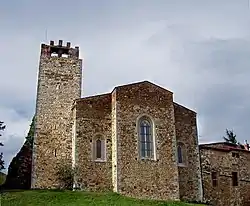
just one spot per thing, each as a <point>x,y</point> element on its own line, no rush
<point>190,171</point>
<point>59,84</point>
<point>93,117</point>
<point>65,136</point>
<point>223,162</point>
<point>157,178</point>
<point>114,142</point>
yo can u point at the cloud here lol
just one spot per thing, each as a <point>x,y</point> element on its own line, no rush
<point>223,99</point>
<point>199,50</point>
<point>17,126</point>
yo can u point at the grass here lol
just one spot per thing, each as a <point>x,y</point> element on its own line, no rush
<point>70,198</point>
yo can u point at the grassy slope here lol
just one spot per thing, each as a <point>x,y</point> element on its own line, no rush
<point>69,198</point>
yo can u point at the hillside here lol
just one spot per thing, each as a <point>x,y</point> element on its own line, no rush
<point>69,198</point>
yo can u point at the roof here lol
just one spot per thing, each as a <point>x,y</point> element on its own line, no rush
<point>134,84</point>
<point>93,96</point>
<point>141,82</point>
<point>223,146</point>
<point>126,85</point>
<point>183,107</point>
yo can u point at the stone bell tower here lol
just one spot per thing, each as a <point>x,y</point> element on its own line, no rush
<point>59,84</point>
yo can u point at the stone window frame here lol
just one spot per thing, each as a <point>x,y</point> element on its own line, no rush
<point>103,148</point>
<point>151,121</point>
<point>181,145</point>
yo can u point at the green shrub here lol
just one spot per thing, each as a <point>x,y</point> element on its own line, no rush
<point>66,177</point>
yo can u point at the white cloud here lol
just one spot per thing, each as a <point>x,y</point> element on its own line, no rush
<point>14,134</point>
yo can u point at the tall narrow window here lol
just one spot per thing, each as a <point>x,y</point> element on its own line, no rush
<point>180,158</point>
<point>98,149</point>
<point>214,179</point>
<point>146,139</point>
<point>181,153</point>
<point>235,178</point>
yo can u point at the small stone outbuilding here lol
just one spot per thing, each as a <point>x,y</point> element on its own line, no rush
<point>226,174</point>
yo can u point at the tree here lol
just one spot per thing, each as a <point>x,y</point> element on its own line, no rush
<point>30,136</point>
<point>19,171</point>
<point>231,137</point>
<point>2,127</point>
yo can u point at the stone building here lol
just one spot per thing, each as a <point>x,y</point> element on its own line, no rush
<point>225,174</point>
<point>134,140</point>
<point>59,83</point>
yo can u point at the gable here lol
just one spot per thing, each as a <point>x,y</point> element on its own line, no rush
<point>145,94</point>
<point>96,107</point>
<point>143,84</point>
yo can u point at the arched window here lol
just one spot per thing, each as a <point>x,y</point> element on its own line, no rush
<point>98,148</point>
<point>146,140</point>
<point>181,153</point>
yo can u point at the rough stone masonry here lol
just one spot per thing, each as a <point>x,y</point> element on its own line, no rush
<point>59,84</point>
<point>105,136</point>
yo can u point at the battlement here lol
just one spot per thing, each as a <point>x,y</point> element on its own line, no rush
<point>59,50</point>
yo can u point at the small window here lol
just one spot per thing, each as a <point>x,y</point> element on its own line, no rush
<point>235,178</point>
<point>214,179</point>
<point>58,86</point>
<point>180,159</point>
<point>235,155</point>
<point>181,153</point>
<point>99,149</point>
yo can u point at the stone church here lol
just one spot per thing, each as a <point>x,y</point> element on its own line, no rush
<point>134,140</point>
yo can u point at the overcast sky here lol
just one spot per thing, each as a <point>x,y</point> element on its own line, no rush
<point>198,49</point>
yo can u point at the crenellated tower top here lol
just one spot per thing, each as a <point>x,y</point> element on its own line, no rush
<point>59,50</point>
